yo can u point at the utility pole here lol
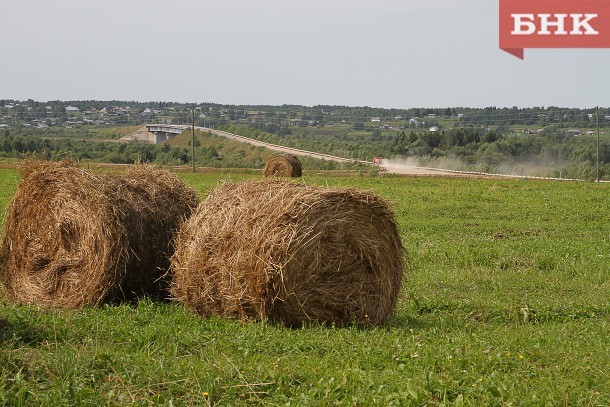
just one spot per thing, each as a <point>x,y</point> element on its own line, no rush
<point>193,141</point>
<point>597,155</point>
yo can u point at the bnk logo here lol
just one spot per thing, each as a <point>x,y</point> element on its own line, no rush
<point>553,24</point>
<point>525,24</point>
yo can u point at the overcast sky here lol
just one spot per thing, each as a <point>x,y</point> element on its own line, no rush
<point>380,53</point>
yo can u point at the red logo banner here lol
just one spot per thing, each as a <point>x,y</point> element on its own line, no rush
<point>553,24</point>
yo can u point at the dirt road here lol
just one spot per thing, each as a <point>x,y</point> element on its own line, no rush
<point>388,166</point>
<point>282,149</point>
<point>395,169</point>
<point>410,170</point>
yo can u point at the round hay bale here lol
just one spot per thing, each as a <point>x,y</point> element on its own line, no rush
<point>283,165</point>
<point>72,238</point>
<point>290,253</point>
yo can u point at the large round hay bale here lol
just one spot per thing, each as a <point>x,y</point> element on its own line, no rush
<point>283,165</point>
<point>290,253</point>
<point>72,238</point>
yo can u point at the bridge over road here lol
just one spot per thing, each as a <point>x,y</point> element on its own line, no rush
<point>163,132</point>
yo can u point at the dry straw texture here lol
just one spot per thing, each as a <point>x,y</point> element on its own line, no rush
<point>32,165</point>
<point>290,253</point>
<point>283,165</point>
<point>72,238</point>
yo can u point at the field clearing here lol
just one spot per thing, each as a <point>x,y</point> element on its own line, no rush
<point>506,302</point>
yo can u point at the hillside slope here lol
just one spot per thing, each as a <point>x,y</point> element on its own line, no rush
<point>216,151</point>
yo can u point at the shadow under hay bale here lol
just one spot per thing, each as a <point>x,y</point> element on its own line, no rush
<point>290,253</point>
<point>283,165</point>
<point>72,238</point>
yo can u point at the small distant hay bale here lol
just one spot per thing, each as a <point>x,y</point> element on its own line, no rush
<point>290,253</point>
<point>72,238</point>
<point>283,165</point>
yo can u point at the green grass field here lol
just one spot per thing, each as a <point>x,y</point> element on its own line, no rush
<point>506,303</point>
